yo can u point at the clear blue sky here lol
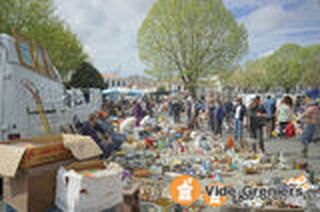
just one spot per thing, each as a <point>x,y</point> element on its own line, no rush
<point>108,28</point>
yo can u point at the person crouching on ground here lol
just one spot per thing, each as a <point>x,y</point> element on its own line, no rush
<point>88,129</point>
<point>105,128</point>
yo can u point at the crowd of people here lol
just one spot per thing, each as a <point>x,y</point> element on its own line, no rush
<point>249,124</point>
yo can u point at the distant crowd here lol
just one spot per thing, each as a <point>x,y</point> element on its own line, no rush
<point>251,122</point>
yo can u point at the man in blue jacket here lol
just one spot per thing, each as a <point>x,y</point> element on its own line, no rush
<point>105,127</point>
<point>270,107</point>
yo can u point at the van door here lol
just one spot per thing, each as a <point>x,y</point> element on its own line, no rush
<point>2,71</point>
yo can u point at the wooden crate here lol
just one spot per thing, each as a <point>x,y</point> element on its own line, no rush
<point>42,150</point>
<point>85,165</point>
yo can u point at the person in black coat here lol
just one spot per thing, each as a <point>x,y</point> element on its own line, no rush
<point>211,108</point>
<point>189,107</point>
<point>105,127</point>
<point>88,129</point>
<point>258,118</point>
<point>239,114</point>
<point>176,109</point>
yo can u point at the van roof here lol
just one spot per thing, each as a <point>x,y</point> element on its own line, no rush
<point>12,57</point>
<point>8,43</point>
<point>6,39</point>
<point>3,35</point>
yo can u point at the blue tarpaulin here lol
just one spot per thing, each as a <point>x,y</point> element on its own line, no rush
<point>314,94</point>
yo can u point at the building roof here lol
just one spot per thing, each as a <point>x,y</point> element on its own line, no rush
<point>111,76</point>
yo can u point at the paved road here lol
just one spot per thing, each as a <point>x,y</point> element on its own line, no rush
<point>291,150</point>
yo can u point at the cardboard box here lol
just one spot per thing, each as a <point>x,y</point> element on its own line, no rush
<point>29,167</point>
<point>88,186</point>
<point>32,190</point>
<point>86,165</point>
<point>131,199</point>
<point>29,153</point>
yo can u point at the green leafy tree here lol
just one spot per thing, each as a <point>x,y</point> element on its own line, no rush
<point>23,14</point>
<point>37,20</point>
<point>191,39</point>
<point>283,67</point>
<point>87,76</point>
<point>160,75</point>
<point>251,76</point>
<point>62,44</point>
<point>309,57</point>
<point>241,79</point>
<point>289,66</point>
<point>257,75</point>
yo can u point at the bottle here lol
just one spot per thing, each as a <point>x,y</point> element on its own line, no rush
<point>204,165</point>
<point>297,165</point>
<point>282,161</point>
<point>210,166</point>
<point>312,177</point>
<point>294,164</point>
<point>229,142</point>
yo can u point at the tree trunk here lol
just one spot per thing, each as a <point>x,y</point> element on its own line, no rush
<point>192,89</point>
<point>288,90</point>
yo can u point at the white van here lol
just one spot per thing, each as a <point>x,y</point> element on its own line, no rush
<point>32,95</point>
<point>82,107</point>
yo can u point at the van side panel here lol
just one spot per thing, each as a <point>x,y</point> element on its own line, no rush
<point>51,95</point>
<point>19,84</point>
<point>17,104</point>
<point>2,71</point>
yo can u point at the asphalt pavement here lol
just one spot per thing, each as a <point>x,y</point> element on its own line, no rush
<point>291,150</point>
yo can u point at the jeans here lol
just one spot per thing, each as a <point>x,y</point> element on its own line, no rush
<point>238,129</point>
<point>117,140</point>
<point>10,209</point>
<point>271,126</point>
<point>218,126</point>
<point>107,151</point>
<point>257,134</point>
<point>176,117</point>
<point>189,117</point>
<point>308,134</point>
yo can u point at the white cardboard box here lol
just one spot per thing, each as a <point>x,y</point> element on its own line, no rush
<point>77,193</point>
